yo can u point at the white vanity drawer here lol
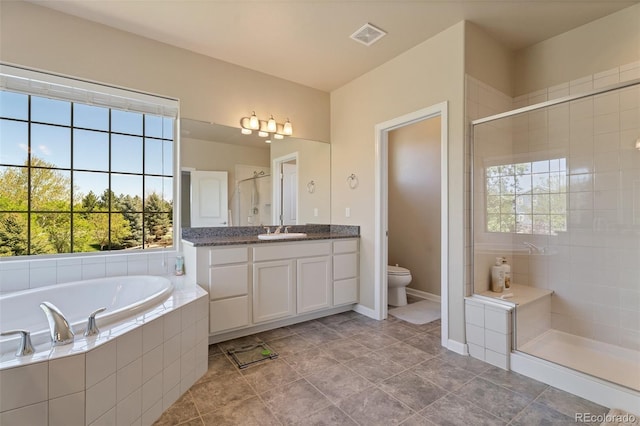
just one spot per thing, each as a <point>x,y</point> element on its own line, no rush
<point>345,291</point>
<point>223,256</point>
<point>345,266</point>
<point>228,281</point>
<point>274,251</point>
<point>228,313</point>
<point>345,246</point>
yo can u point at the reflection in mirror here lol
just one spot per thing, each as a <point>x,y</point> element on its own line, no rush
<point>267,184</point>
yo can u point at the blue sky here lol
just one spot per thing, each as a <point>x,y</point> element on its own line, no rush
<point>90,147</point>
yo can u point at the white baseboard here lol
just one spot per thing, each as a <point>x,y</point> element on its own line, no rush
<point>458,347</point>
<point>368,312</point>
<point>423,295</point>
<point>583,385</point>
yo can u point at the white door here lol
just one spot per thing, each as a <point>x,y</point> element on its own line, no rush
<point>289,193</point>
<point>209,199</point>
<point>313,284</point>
<point>273,290</point>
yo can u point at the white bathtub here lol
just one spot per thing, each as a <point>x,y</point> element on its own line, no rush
<point>123,297</point>
<point>152,347</point>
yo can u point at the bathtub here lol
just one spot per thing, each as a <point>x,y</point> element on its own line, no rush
<point>123,297</point>
<point>152,347</point>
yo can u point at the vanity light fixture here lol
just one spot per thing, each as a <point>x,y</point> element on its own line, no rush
<point>271,125</point>
<point>254,123</point>
<point>287,129</point>
<point>265,128</point>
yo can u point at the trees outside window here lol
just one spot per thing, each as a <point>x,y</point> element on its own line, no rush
<point>75,178</point>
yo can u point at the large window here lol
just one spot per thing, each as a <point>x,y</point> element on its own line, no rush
<point>82,177</point>
<point>527,198</point>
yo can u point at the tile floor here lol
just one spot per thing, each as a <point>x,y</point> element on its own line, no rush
<point>348,369</point>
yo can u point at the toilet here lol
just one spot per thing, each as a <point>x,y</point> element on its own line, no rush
<point>398,278</point>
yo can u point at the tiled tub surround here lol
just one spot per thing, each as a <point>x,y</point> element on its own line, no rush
<point>128,374</point>
<point>25,272</point>
<point>249,234</point>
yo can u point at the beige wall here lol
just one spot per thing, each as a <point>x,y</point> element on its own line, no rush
<point>594,47</point>
<point>487,60</point>
<point>427,74</point>
<point>208,89</point>
<point>414,202</point>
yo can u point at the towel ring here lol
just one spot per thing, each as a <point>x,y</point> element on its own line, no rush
<point>352,181</point>
<point>311,187</point>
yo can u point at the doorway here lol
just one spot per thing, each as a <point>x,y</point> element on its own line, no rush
<point>285,190</point>
<point>382,134</point>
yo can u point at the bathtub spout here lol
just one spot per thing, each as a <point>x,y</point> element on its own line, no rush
<point>61,333</point>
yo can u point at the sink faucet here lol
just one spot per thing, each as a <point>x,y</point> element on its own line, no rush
<point>61,333</point>
<point>278,229</point>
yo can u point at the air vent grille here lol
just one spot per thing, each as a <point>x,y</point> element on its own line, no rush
<point>368,34</point>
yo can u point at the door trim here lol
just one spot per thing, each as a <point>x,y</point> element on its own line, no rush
<point>381,209</point>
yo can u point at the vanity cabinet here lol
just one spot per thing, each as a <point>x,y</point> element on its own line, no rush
<point>345,272</point>
<point>257,286</point>
<point>228,280</point>
<point>273,290</point>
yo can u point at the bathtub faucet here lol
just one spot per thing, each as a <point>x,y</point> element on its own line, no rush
<point>533,248</point>
<point>61,333</point>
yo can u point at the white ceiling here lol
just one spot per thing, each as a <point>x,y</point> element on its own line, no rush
<point>307,41</point>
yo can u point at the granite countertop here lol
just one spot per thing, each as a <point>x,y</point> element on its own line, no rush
<point>203,237</point>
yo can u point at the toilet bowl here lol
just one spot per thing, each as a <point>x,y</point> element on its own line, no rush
<point>398,279</point>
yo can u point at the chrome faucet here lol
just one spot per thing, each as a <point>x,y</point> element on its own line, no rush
<point>533,248</point>
<point>61,333</point>
<point>278,229</point>
<point>25,348</point>
<point>92,325</point>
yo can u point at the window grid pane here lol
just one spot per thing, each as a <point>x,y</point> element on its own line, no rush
<point>526,198</point>
<point>86,186</point>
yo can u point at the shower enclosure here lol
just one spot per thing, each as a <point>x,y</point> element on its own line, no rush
<point>556,191</point>
<point>252,200</point>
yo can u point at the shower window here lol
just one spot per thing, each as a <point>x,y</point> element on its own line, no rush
<point>527,197</point>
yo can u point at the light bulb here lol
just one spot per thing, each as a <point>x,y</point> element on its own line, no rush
<point>278,136</point>
<point>263,134</point>
<point>267,141</point>
<point>245,131</point>
<point>253,121</point>
<point>638,143</point>
<point>287,129</point>
<point>271,125</point>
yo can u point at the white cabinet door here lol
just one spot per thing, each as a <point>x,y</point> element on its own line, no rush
<point>273,290</point>
<point>313,284</point>
<point>209,201</point>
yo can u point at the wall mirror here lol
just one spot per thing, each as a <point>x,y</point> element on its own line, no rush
<point>231,179</point>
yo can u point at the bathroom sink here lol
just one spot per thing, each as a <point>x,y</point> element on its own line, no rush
<point>282,236</point>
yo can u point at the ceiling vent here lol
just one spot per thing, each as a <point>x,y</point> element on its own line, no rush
<point>368,34</point>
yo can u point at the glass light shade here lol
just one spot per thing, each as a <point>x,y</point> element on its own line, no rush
<point>287,129</point>
<point>267,141</point>
<point>271,125</point>
<point>263,134</point>
<point>254,123</point>
<point>278,136</point>
<point>245,131</point>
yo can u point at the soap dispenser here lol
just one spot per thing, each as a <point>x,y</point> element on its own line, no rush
<point>497,276</point>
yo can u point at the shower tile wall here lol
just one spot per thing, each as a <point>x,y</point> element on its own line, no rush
<point>593,267</point>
